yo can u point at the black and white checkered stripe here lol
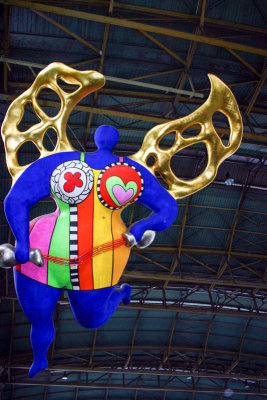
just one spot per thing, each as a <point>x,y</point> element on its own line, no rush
<point>101,175</point>
<point>74,272</point>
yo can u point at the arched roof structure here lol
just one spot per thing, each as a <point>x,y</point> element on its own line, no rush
<point>196,327</point>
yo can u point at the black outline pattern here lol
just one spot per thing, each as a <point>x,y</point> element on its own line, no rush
<point>73,246</point>
<point>62,168</point>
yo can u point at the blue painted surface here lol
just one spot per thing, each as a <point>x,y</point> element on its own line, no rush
<point>91,308</point>
<point>34,184</point>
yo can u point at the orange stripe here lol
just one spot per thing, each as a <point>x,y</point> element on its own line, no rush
<point>121,254</point>
<point>85,240</point>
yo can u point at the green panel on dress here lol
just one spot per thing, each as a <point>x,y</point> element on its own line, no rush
<point>59,247</point>
<point>82,157</point>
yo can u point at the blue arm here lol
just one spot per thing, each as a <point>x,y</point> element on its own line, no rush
<point>163,205</point>
<point>32,186</point>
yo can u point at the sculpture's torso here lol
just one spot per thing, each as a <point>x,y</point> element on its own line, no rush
<point>89,202</point>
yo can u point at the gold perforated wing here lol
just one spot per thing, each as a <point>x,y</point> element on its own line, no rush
<point>220,99</point>
<point>87,82</point>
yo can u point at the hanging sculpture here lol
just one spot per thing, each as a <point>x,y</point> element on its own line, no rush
<point>84,245</point>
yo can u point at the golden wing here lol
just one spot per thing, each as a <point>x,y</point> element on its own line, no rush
<point>220,99</point>
<point>87,81</point>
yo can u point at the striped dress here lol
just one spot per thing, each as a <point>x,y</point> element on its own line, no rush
<point>89,205</point>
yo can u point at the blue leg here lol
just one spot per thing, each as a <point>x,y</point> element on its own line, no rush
<point>92,308</point>
<point>38,302</point>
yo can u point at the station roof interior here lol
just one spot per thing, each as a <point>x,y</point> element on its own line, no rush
<point>196,328</point>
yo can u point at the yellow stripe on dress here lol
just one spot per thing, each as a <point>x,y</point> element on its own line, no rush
<point>121,254</point>
<point>102,233</point>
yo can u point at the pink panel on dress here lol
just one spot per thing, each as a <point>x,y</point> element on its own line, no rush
<point>40,238</point>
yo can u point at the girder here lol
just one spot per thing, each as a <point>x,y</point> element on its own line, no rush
<point>187,306</point>
<point>139,371</point>
<point>135,25</point>
<point>156,387</point>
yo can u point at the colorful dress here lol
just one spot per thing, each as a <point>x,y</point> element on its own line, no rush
<point>89,204</point>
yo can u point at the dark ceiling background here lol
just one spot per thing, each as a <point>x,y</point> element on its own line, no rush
<point>196,327</point>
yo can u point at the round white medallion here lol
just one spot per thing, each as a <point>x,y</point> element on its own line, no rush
<point>72,181</point>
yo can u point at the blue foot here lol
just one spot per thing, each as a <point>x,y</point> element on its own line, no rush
<point>126,293</point>
<point>37,367</point>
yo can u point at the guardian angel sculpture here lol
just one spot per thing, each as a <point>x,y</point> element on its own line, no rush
<point>84,246</point>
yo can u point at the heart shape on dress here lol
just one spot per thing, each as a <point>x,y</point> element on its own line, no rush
<point>119,192</point>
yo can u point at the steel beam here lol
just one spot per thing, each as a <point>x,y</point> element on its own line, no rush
<point>142,95</point>
<point>100,69</point>
<point>230,85</point>
<point>202,15</point>
<point>207,251</point>
<point>149,260</point>
<point>168,352</point>
<point>249,180</point>
<point>134,387</point>
<point>257,91</point>
<point>133,340</point>
<point>189,280</point>
<point>89,61</point>
<point>6,18</point>
<point>177,256</point>
<point>162,46</point>
<point>237,361</point>
<point>176,15</point>
<point>192,18</point>
<point>133,82</point>
<point>147,372</point>
<point>195,310</point>
<point>92,353</point>
<point>135,25</point>
<point>148,348</point>
<point>152,86</point>
<point>170,71</point>
<point>240,59</point>
<point>208,310</point>
<point>189,58</point>
<point>202,355</point>
<point>121,114</point>
<point>66,30</point>
<point>231,236</point>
